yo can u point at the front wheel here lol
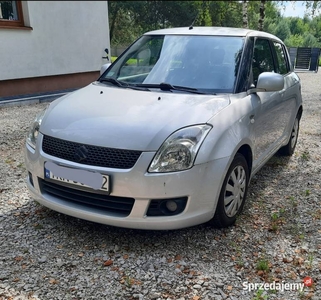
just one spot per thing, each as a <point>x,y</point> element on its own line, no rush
<point>233,193</point>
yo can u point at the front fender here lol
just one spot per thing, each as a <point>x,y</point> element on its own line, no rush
<point>232,128</point>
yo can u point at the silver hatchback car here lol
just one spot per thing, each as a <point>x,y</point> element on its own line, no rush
<point>171,133</point>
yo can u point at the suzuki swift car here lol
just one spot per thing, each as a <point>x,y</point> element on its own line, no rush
<point>171,133</point>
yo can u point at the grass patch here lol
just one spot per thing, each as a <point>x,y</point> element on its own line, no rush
<point>260,295</point>
<point>262,265</point>
<point>293,201</point>
<point>277,219</point>
<point>305,156</point>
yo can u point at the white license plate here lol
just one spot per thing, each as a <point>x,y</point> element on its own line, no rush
<point>77,177</point>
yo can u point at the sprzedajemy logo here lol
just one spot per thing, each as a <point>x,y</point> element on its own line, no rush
<point>276,286</point>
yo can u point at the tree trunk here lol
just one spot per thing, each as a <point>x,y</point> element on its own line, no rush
<point>245,14</point>
<point>204,8</point>
<point>262,15</point>
<point>112,25</point>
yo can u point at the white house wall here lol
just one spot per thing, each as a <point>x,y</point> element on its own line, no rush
<point>66,37</point>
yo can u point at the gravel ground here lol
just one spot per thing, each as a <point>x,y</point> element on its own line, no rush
<point>47,255</point>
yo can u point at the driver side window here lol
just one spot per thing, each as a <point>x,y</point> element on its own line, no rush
<point>262,59</point>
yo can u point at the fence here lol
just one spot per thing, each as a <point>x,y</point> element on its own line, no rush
<point>305,59</point>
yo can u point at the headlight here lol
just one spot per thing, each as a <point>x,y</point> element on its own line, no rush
<point>179,150</point>
<point>34,130</point>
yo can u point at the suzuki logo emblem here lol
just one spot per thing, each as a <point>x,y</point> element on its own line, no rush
<point>81,153</point>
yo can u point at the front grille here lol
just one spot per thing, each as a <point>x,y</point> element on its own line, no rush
<point>94,156</point>
<point>119,205</point>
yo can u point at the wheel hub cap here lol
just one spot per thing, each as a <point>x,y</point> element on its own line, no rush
<point>235,190</point>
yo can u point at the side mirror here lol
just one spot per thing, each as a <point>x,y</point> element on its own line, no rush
<point>268,82</point>
<point>104,68</point>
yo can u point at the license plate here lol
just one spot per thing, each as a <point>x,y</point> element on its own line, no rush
<point>84,178</point>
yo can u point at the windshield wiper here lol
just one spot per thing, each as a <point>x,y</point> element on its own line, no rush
<point>123,84</point>
<point>168,87</point>
<point>114,81</point>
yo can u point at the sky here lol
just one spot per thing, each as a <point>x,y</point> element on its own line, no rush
<point>296,9</point>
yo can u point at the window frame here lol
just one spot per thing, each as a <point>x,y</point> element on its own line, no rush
<point>14,23</point>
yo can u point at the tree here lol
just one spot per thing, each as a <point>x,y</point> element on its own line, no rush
<point>183,13</point>
<point>123,28</point>
<point>245,14</point>
<point>310,41</point>
<point>297,26</point>
<point>225,13</point>
<point>253,13</point>
<point>315,26</point>
<point>272,16</point>
<point>294,41</point>
<point>129,19</point>
<point>262,15</point>
<point>282,30</point>
<point>312,7</point>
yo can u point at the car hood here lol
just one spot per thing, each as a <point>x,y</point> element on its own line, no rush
<point>124,118</point>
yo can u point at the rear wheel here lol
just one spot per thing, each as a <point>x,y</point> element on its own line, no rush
<point>233,193</point>
<point>288,149</point>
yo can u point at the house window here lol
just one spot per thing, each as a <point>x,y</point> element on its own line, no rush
<point>11,14</point>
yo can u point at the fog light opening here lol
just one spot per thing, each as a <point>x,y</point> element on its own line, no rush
<point>171,205</point>
<point>166,207</point>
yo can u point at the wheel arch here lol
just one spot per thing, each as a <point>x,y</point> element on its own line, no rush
<point>300,111</point>
<point>246,151</point>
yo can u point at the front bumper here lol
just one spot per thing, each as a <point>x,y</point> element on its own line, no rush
<point>200,185</point>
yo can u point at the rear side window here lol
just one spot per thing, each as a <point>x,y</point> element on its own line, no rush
<point>283,66</point>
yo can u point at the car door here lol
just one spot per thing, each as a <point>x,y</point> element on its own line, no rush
<point>267,119</point>
<point>290,91</point>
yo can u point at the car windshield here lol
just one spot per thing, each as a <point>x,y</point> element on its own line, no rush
<point>207,64</point>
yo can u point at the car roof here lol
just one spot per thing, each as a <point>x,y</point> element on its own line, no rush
<point>215,31</point>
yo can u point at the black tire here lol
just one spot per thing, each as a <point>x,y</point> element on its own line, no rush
<point>233,193</point>
<point>288,149</point>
